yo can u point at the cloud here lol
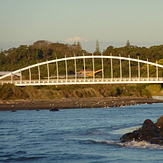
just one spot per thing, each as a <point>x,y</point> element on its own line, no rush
<point>75,39</point>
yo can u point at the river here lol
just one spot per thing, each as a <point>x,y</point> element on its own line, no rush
<point>77,135</point>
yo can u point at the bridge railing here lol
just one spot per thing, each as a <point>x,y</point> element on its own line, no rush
<point>85,81</point>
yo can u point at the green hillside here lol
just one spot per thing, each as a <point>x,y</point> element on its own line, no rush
<point>16,58</point>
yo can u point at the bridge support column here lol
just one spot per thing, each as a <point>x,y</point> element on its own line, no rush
<point>20,77</point>
<point>111,62</point>
<point>120,67</point>
<point>75,68</point>
<point>57,70</point>
<point>48,71</point>
<point>11,78</point>
<point>129,68</point>
<point>30,77</point>
<point>138,69</point>
<point>93,64</point>
<point>39,73</point>
<point>147,70</point>
<point>84,68</point>
<point>66,69</point>
<point>157,71</point>
<point>102,66</point>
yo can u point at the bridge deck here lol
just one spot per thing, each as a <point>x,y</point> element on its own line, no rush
<point>84,81</point>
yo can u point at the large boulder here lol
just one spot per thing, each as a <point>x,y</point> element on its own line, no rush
<point>150,132</point>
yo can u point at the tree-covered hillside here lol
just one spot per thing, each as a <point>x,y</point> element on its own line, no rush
<point>153,53</point>
<point>24,55</point>
<point>40,51</point>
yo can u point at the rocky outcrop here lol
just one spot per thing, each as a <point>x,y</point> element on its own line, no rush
<point>150,132</point>
<point>54,109</point>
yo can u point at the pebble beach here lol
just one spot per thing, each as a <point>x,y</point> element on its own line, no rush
<point>74,103</point>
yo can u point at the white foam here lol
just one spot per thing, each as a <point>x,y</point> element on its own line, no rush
<point>132,144</point>
<point>141,144</point>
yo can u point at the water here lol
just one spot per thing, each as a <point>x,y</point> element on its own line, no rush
<point>77,136</point>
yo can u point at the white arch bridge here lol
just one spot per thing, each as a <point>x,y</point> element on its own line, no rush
<point>87,70</point>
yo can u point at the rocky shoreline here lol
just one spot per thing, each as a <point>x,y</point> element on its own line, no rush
<point>150,132</point>
<point>74,103</point>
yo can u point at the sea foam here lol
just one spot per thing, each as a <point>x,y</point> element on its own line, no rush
<point>141,144</point>
<point>132,144</point>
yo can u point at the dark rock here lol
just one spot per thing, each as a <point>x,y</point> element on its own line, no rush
<point>149,131</point>
<point>159,123</point>
<point>127,137</point>
<point>147,125</point>
<point>157,140</point>
<point>54,109</point>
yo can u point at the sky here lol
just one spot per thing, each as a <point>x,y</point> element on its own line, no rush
<point>111,22</point>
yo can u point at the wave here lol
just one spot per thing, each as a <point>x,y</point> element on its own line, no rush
<point>141,144</point>
<point>131,144</point>
<point>22,158</point>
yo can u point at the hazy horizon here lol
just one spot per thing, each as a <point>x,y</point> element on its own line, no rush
<point>88,46</point>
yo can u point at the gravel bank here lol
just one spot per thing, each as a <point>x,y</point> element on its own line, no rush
<point>74,103</point>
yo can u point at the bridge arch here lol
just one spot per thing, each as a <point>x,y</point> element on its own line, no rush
<point>84,79</point>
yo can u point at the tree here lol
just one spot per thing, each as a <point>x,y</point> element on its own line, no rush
<point>3,58</point>
<point>79,46</point>
<point>128,44</point>
<point>41,43</point>
<point>97,48</point>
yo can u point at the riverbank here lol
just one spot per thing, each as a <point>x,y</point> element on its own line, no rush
<point>74,103</point>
